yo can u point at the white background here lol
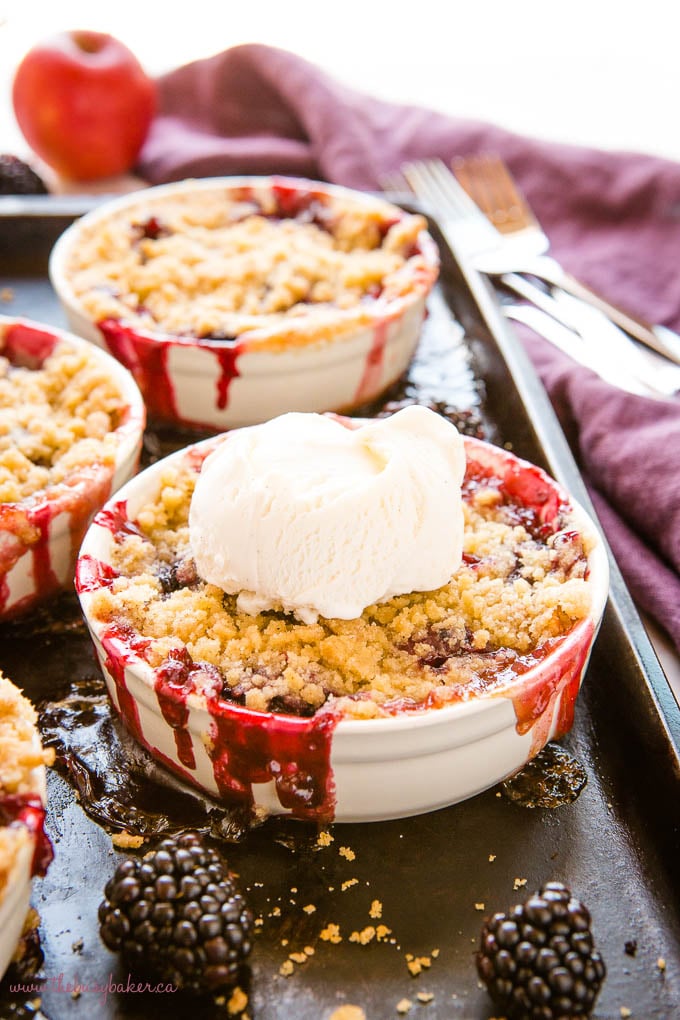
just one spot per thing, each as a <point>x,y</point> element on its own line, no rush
<point>597,72</point>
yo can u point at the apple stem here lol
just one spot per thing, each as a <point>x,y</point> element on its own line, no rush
<point>88,42</point>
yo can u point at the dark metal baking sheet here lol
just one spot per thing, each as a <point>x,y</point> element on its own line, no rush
<point>617,845</point>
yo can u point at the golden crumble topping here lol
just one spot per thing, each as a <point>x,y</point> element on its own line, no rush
<point>220,262</point>
<point>515,591</point>
<point>53,420</point>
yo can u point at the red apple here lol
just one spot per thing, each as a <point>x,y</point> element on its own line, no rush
<point>84,104</point>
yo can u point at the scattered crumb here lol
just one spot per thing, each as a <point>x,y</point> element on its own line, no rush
<point>347,853</point>
<point>479,906</point>
<point>404,1005</point>
<point>498,793</point>
<point>349,883</point>
<point>76,993</point>
<point>286,968</point>
<point>331,888</point>
<point>376,909</point>
<point>364,936</point>
<point>661,963</point>
<point>519,883</point>
<point>348,1012</point>
<point>238,1001</point>
<point>382,931</point>
<point>416,964</point>
<point>434,954</point>
<point>276,912</point>
<point>294,889</point>
<point>425,996</point>
<point>309,909</point>
<point>126,841</point>
<point>298,957</point>
<point>284,942</point>
<point>331,933</point>
<point>258,922</point>
<point>625,1012</point>
<point>77,945</point>
<point>309,950</point>
<point>324,839</point>
<point>6,295</point>
<point>492,858</point>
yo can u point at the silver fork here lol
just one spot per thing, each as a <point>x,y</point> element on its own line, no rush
<point>470,232</point>
<point>519,249</point>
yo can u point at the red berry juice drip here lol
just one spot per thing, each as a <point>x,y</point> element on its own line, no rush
<point>92,574</point>
<point>227,360</point>
<point>121,648</point>
<point>534,699</point>
<point>257,747</point>
<point>28,528</point>
<point>173,685</point>
<point>27,809</point>
<point>146,357</point>
<point>27,346</point>
<point>373,366</point>
<point>115,519</point>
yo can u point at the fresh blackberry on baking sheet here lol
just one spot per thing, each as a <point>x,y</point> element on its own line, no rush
<point>538,961</point>
<point>177,914</point>
<point>18,178</point>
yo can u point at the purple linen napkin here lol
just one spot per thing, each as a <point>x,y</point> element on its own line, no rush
<point>613,220</point>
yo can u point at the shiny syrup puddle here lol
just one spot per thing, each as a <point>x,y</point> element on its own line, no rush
<point>550,780</point>
<point>118,783</point>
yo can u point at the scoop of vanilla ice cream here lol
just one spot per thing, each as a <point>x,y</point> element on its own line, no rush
<point>306,515</point>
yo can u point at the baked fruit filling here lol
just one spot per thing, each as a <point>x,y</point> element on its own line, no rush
<point>521,587</point>
<point>218,263</point>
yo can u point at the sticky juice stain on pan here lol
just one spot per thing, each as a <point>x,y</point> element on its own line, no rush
<point>118,783</point>
<point>550,780</point>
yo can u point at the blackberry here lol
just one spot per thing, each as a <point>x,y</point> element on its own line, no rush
<point>177,915</point>
<point>538,961</point>
<point>18,178</point>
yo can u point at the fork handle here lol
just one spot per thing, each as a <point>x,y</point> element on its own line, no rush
<point>634,325</point>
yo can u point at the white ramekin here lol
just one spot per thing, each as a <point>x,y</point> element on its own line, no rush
<point>40,535</point>
<point>15,903</point>
<point>377,769</point>
<point>220,384</point>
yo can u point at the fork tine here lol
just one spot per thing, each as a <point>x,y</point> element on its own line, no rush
<point>489,182</point>
<point>434,183</point>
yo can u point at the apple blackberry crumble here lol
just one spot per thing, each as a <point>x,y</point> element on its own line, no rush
<point>278,262</point>
<point>22,760</point>
<point>521,587</point>
<point>58,411</point>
